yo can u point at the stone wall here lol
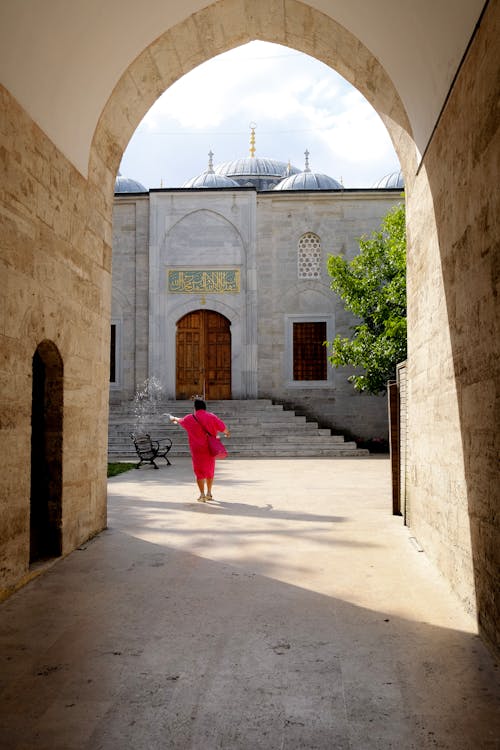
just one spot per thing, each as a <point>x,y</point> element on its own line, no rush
<point>55,281</point>
<point>56,248</point>
<point>259,235</point>
<point>130,309</point>
<point>339,220</point>
<point>453,363</point>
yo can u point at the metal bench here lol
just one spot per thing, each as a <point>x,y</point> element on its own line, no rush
<point>147,449</point>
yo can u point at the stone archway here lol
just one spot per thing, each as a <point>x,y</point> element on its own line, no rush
<point>452,238</point>
<point>220,27</point>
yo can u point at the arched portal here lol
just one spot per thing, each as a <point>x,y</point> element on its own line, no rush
<point>456,162</point>
<point>203,355</point>
<point>46,453</point>
<point>222,26</point>
<point>56,220</point>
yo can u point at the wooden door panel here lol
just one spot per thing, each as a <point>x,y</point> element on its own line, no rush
<point>218,357</point>
<point>203,355</point>
<point>188,355</point>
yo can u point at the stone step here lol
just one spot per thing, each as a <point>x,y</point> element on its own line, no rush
<point>264,453</point>
<point>247,430</point>
<point>123,441</point>
<point>239,431</point>
<point>274,450</point>
<point>258,428</point>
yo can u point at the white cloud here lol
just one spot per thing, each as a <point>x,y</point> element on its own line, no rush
<point>296,102</point>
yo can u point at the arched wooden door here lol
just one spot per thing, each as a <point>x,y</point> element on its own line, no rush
<point>203,354</point>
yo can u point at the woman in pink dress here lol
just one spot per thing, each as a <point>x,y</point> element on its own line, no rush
<point>197,425</point>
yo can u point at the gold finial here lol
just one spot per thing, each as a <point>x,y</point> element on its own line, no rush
<point>252,139</point>
<point>306,154</point>
<point>210,161</point>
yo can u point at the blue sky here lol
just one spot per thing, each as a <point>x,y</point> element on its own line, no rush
<point>296,102</point>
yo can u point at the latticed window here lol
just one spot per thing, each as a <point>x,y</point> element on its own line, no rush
<point>309,352</point>
<point>309,256</point>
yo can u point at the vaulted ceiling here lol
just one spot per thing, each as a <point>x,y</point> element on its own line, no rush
<point>61,60</point>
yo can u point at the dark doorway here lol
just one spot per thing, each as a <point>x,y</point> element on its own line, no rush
<point>204,355</point>
<point>46,453</point>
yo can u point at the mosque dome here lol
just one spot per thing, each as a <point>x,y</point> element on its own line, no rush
<point>256,171</point>
<point>259,172</point>
<point>393,181</point>
<point>308,180</point>
<point>209,179</point>
<point>127,185</point>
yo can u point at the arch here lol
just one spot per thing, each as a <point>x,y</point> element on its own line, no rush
<point>166,372</point>
<point>212,231</point>
<point>439,240</point>
<point>220,27</point>
<point>209,212</point>
<point>46,453</point>
<point>308,294</point>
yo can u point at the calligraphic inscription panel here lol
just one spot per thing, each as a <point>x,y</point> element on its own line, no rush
<point>188,281</point>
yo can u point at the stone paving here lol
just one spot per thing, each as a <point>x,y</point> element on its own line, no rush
<point>294,612</point>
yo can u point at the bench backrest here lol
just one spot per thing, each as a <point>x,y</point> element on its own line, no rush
<point>144,445</point>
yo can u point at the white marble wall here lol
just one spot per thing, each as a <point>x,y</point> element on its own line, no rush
<point>258,234</point>
<point>339,219</point>
<point>209,230</point>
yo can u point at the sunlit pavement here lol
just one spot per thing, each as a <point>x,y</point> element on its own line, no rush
<point>293,612</point>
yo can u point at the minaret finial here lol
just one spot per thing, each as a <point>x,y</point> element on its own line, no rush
<point>252,139</point>
<point>210,161</point>
<point>306,154</point>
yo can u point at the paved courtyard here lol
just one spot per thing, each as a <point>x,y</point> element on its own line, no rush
<point>295,612</point>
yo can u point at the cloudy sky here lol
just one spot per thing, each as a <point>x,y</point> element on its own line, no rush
<point>296,102</point>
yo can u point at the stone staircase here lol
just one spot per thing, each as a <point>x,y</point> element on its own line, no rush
<point>258,428</point>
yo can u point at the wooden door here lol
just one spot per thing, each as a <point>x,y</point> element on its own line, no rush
<point>203,356</point>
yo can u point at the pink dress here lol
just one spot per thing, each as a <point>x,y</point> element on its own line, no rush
<point>203,461</point>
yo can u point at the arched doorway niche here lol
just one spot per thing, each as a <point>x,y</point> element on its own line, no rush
<point>203,355</point>
<point>163,359</point>
<point>46,453</point>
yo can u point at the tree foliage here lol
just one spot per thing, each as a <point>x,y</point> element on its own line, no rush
<point>373,287</point>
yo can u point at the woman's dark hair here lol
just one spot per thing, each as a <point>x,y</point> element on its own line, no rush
<point>199,404</point>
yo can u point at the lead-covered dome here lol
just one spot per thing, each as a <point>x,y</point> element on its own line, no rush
<point>308,180</point>
<point>127,185</point>
<point>256,171</point>
<point>209,179</point>
<point>392,181</point>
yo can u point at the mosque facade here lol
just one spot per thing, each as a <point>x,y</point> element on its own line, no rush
<point>220,287</point>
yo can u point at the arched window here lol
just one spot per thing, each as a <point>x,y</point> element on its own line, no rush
<point>309,256</point>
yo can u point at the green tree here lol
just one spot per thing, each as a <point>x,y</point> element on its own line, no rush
<point>373,287</point>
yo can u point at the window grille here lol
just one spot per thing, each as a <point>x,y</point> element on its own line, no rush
<point>309,256</point>
<point>309,352</point>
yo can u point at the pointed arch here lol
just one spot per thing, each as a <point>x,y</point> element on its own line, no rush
<point>221,27</point>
